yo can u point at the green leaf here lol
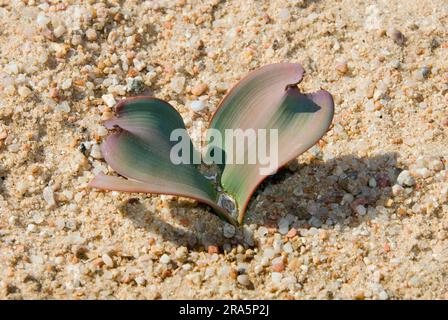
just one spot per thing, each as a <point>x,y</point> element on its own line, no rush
<point>268,98</point>
<point>140,151</point>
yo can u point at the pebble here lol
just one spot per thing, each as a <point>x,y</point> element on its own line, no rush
<point>135,85</point>
<point>342,67</point>
<point>383,295</point>
<point>405,179</point>
<point>361,210</point>
<point>276,277</point>
<point>95,152</point>
<point>244,280</point>
<point>287,247</point>
<point>107,260</point>
<point>422,173</point>
<point>66,84</point>
<point>59,31</point>
<point>424,72</point>
<point>292,233</point>
<point>24,91</point>
<point>48,196</point>
<point>59,260</point>
<point>91,35</point>
<point>31,227</point>
<point>397,189</point>
<point>262,232</point>
<point>38,218</point>
<point>397,36</point>
<point>445,122</point>
<point>109,100</point>
<point>284,14</point>
<point>199,89</point>
<point>212,249</point>
<point>197,105</point>
<point>268,253</point>
<point>165,259</point>
<point>177,84</point>
<point>141,281</point>
<point>372,183</point>
<point>63,107</point>
<point>283,226</point>
<point>278,267</point>
<point>228,230</point>
<point>42,19</point>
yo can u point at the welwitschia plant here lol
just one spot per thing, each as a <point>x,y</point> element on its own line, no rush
<point>266,101</point>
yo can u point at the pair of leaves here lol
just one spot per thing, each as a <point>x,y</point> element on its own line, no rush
<point>267,98</point>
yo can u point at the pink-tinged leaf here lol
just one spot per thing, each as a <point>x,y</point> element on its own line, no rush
<point>268,98</point>
<point>105,182</point>
<point>140,151</point>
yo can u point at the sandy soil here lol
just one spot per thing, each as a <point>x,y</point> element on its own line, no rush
<point>363,214</point>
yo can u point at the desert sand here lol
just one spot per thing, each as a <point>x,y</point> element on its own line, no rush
<point>361,215</point>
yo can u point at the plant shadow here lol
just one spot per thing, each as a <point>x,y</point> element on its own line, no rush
<point>319,194</point>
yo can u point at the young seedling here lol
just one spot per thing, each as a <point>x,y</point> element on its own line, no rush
<point>266,100</point>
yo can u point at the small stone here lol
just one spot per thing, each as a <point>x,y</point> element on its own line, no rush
<point>370,106</point>
<point>141,281</point>
<point>139,65</point>
<point>361,210</point>
<point>405,179</point>
<point>66,84</point>
<point>283,226</point>
<point>197,105</point>
<point>48,195</point>
<point>244,280</point>
<point>342,67</point>
<point>186,266</point>
<point>12,68</point>
<point>177,84</point>
<point>262,232</point>
<point>38,218</point>
<point>372,183</point>
<point>165,259</point>
<point>199,89</point>
<point>59,31</point>
<point>397,189</point>
<point>135,85</point>
<point>24,91</point>
<point>31,227</point>
<point>276,277</point>
<point>222,87</point>
<point>445,122</point>
<point>425,72</point>
<point>422,173</point>
<point>109,100</point>
<point>42,19</point>
<point>268,253</point>
<point>107,260</point>
<point>278,267</point>
<point>12,220</point>
<point>284,14</point>
<point>291,233</point>
<point>228,230</point>
<point>59,260</point>
<point>91,35</point>
<point>212,249</point>
<point>397,36</point>
<point>63,107</point>
<point>287,247</point>
<point>383,295</point>
<point>359,295</point>
<point>181,253</point>
<point>95,152</point>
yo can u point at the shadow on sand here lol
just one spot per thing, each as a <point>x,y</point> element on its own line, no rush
<point>313,193</point>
